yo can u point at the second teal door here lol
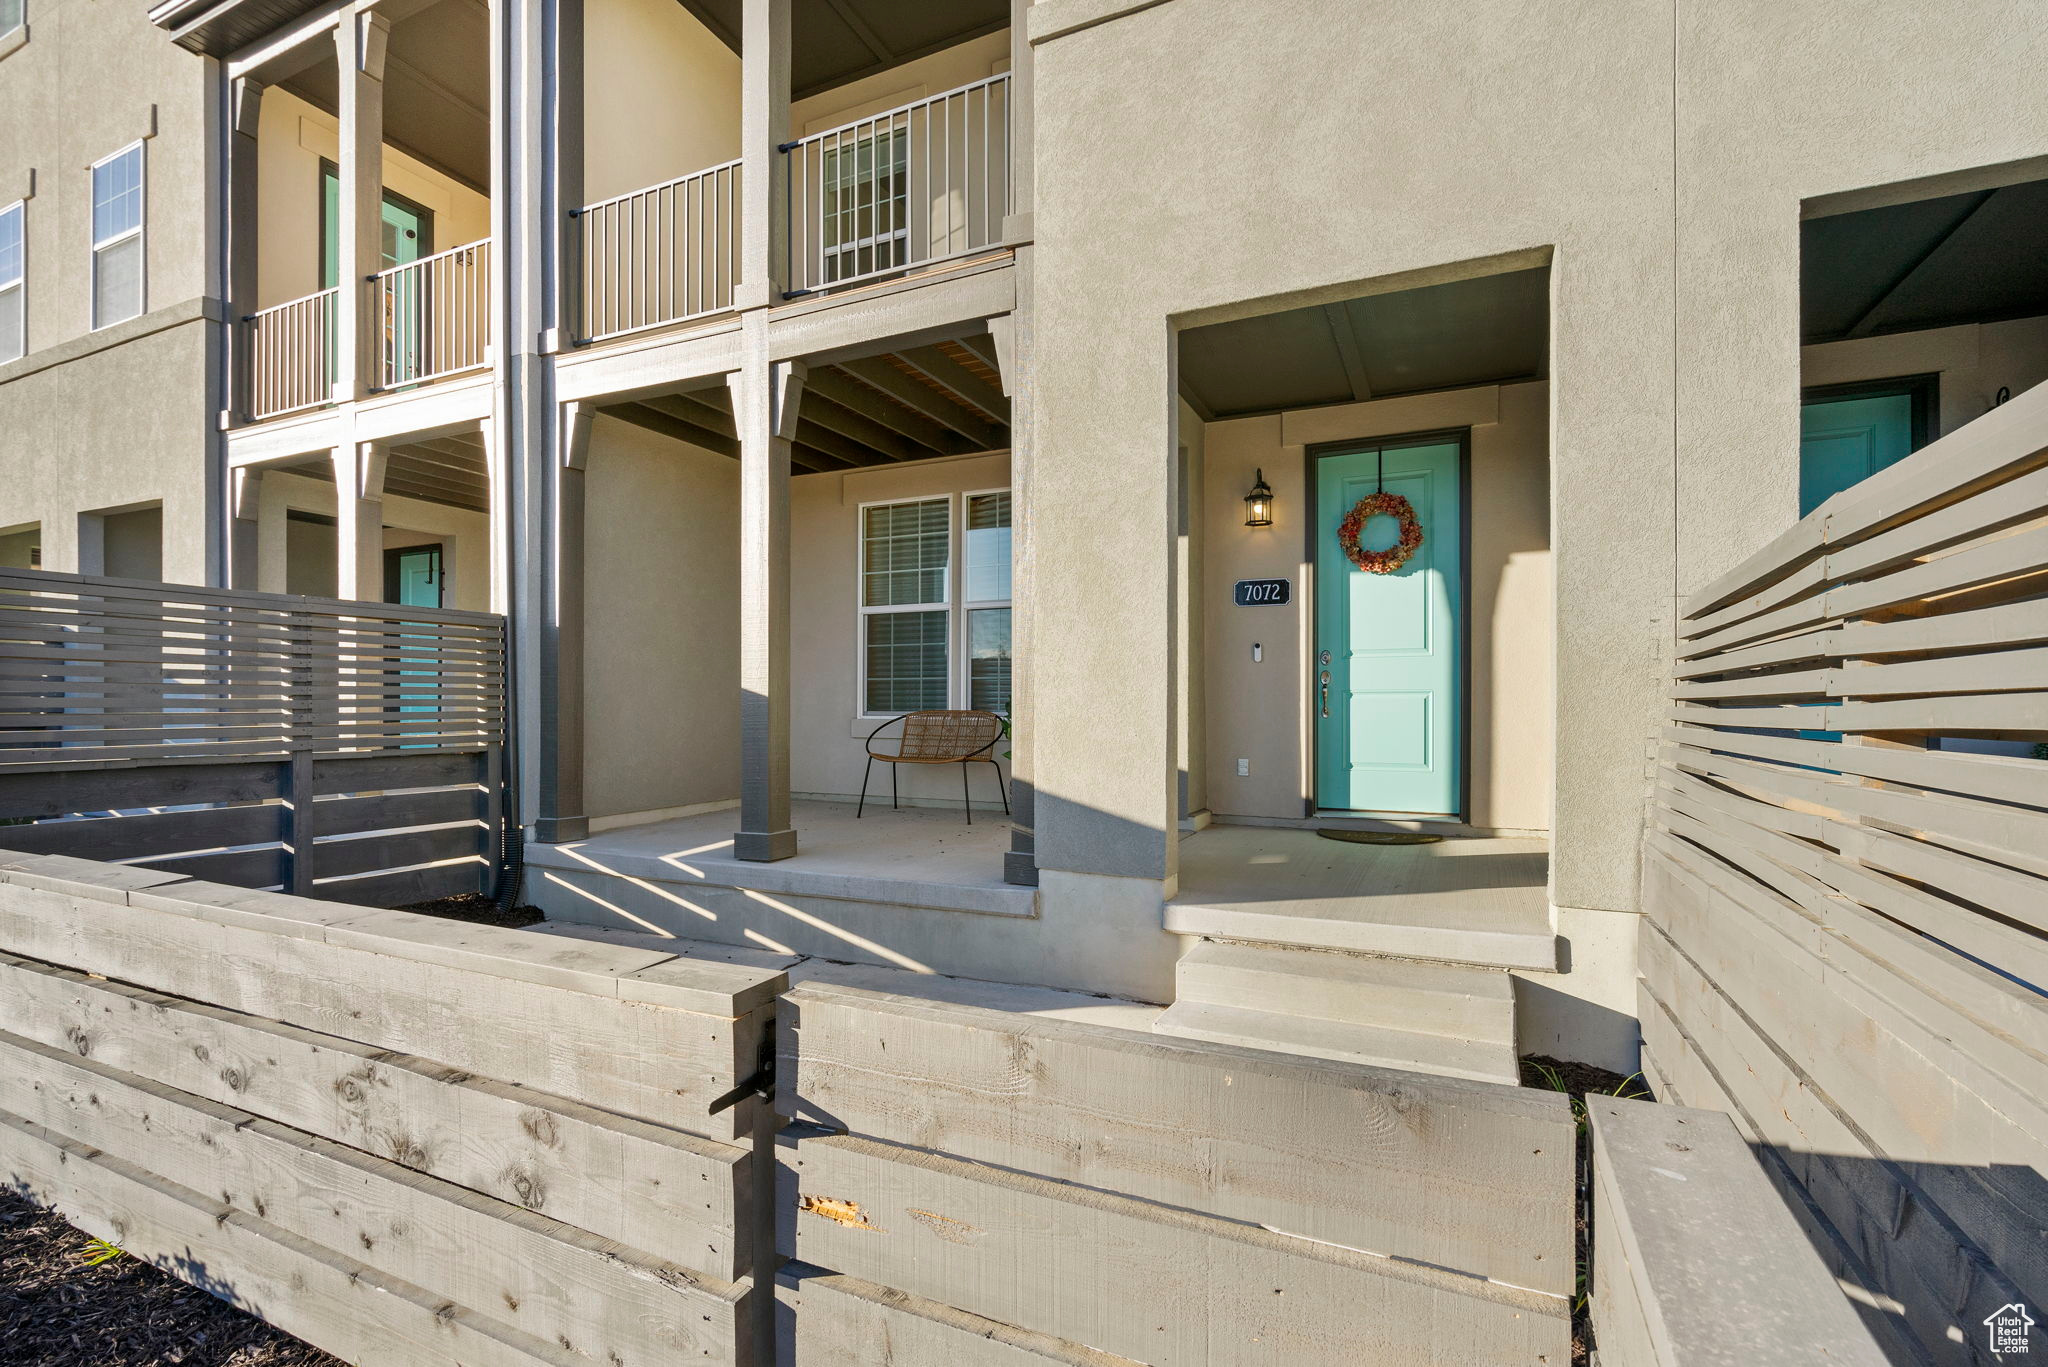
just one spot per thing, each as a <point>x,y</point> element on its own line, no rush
<point>1844,441</point>
<point>1390,714</point>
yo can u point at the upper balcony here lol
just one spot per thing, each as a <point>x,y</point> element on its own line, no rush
<point>412,304</point>
<point>899,154</point>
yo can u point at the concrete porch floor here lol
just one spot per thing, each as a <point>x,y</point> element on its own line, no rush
<point>1478,900</point>
<point>914,857</point>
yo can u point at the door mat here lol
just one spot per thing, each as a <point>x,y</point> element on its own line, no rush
<point>1379,837</point>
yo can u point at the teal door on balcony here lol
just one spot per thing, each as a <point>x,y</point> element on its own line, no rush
<point>1387,684</point>
<point>1844,440</point>
<point>407,230</point>
<point>407,227</point>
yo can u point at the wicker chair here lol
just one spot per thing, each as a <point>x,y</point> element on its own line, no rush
<point>938,737</point>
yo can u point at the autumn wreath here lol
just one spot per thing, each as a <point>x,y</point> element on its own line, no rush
<point>1396,555</point>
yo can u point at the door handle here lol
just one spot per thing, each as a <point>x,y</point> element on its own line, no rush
<point>1325,689</point>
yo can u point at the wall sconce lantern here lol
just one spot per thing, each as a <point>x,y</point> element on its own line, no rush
<point>1258,504</point>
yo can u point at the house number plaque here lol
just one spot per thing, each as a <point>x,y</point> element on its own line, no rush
<point>1257,593</point>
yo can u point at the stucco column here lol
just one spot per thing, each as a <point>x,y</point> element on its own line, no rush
<point>244,110</point>
<point>1012,336</point>
<point>765,395</point>
<point>1103,629</point>
<point>535,146</point>
<point>245,504</point>
<point>359,521</point>
<point>359,42</point>
<point>764,180</point>
<point>557,804</point>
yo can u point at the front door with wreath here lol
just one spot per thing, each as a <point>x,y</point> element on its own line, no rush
<point>1388,666</point>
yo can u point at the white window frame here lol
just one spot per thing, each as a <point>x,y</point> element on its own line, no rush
<point>842,259</point>
<point>141,147</point>
<point>15,294</point>
<point>19,25</point>
<point>963,684</point>
<point>959,662</point>
<point>860,605</point>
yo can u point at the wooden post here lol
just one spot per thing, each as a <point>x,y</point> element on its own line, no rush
<point>765,396</point>
<point>1017,227</point>
<point>245,504</point>
<point>558,800</point>
<point>764,127</point>
<point>359,49</point>
<point>359,521</point>
<point>297,782</point>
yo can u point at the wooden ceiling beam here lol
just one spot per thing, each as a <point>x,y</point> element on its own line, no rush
<point>849,393</point>
<point>957,380</point>
<point>674,428</point>
<point>981,433</point>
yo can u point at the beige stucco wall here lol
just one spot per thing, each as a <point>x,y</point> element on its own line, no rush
<point>1668,206</point>
<point>661,624</point>
<point>932,74</point>
<point>91,79</point>
<point>70,444</point>
<point>827,725</point>
<point>661,96</point>
<point>1974,362</point>
<point>295,558</point>
<point>1259,712</point>
<point>292,137</point>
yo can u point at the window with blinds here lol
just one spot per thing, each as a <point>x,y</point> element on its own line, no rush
<point>13,289</point>
<point>927,641</point>
<point>117,249</point>
<point>906,568</point>
<point>986,600</point>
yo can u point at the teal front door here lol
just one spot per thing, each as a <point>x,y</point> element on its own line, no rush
<point>413,576</point>
<point>1843,441</point>
<point>1388,665</point>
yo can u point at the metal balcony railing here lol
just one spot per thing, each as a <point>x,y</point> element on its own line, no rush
<point>924,182</point>
<point>432,316</point>
<point>659,255</point>
<point>288,356</point>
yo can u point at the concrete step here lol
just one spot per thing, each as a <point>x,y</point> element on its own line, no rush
<point>1476,1004</point>
<point>1412,1051</point>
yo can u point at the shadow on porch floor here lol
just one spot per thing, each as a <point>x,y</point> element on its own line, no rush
<point>915,857</point>
<point>1465,899</point>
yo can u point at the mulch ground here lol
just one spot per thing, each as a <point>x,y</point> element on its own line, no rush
<point>1575,1080</point>
<point>479,909</point>
<point>59,1309</point>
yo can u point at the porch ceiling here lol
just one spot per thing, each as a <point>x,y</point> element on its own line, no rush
<point>1971,258</point>
<point>943,399</point>
<point>447,470</point>
<point>1490,330</point>
<point>837,41</point>
<point>437,89</point>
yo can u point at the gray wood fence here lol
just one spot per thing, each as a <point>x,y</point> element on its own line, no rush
<point>970,1187</point>
<point>1847,940</point>
<point>405,1140</point>
<point>263,740</point>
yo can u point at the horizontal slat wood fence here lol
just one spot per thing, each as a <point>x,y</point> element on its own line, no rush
<point>405,1140</point>
<point>972,1186</point>
<point>1847,888</point>
<point>265,740</point>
